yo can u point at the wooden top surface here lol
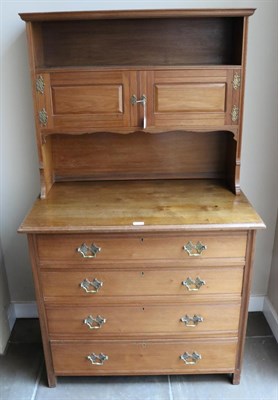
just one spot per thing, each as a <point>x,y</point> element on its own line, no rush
<point>115,14</point>
<point>162,205</point>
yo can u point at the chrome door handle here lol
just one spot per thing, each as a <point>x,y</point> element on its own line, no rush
<point>143,101</point>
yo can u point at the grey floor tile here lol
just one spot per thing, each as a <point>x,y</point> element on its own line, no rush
<point>259,380</point>
<point>106,388</point>
<point>19,369</point>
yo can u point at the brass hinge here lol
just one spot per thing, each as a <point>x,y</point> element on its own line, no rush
<point>235,113</point>
<point>40,84</point>
<point>236,81</point>
<point>43,117</point>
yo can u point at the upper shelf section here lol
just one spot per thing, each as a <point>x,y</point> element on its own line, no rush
<point>165,72</point>
<point>126,38</point>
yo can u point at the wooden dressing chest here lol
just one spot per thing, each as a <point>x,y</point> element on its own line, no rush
<point>141,241</point>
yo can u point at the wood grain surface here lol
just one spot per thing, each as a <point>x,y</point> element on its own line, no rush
<point>159,204</point>
<point>143,357</point>
<point>144,319</point>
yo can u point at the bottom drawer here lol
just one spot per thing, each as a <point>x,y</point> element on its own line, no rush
<point>143,357</point>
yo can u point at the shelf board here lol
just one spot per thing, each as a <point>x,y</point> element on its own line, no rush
<point>162,205</point>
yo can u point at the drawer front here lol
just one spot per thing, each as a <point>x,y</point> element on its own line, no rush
<point>130,357</point>
<point>98,283</point>
<point>69,247</point>
<point>98,321</point>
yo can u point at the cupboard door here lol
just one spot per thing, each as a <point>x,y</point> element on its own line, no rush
<point>192,98</point>
<point>74,101</point>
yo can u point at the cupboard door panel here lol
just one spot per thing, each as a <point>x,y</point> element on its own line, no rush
<point>93,99</point>
<point>87,100</point>
<point>196,97</point>
<point>190,98</point>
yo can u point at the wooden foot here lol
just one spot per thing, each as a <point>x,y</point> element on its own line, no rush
<point>52,380</point>
<point>236,377</point>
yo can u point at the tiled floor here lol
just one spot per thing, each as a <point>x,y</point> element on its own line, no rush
<point>22,374</point>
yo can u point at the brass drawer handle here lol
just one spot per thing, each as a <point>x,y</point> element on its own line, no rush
<point>86,284</point>
<point>194,250</point>
<point>190,359</point>
<point>193,284</point>
<point>94,323</point>
<point>97,359</point>
<point>192,321</point>
<point>88,251</point>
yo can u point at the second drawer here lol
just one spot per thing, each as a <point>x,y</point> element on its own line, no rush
<point>144,282</point>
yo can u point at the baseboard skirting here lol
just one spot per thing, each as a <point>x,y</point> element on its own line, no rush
<point>257,303</point>
<point>11,316</point>
<point>29,309</point>
<point>271,316</point>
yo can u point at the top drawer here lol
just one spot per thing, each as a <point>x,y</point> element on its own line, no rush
<point>93,248</point>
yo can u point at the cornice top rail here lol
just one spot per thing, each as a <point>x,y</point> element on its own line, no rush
<point>137,14</point>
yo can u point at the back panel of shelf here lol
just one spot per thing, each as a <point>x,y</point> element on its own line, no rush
<point>129,42</point>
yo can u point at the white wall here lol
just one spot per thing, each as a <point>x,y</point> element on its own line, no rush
<point>270,308</point>
<point>260,140</point>
<point>273,278</point>
<point>4,305</point>
<point>20,179</point>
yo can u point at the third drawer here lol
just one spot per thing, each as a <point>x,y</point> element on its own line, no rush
<point>145,319</point>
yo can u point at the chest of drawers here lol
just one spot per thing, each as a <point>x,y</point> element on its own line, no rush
<point>147,299</point>
<point>141,241</point>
